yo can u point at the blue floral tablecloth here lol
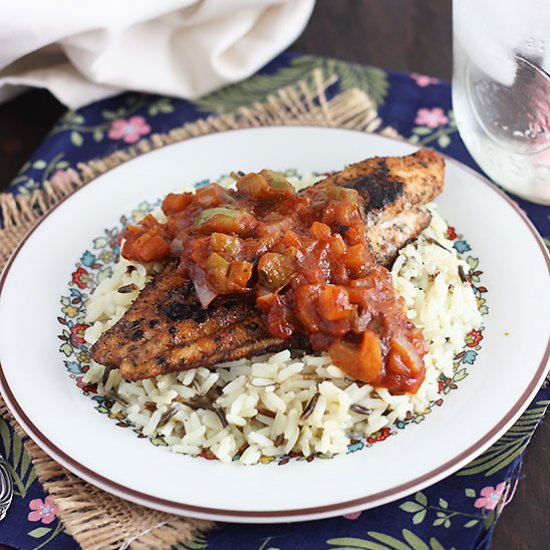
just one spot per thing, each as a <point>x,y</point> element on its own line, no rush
<point>458,512</point>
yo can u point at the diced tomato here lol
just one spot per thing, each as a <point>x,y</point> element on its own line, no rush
<point>278,319</point>
<point>240,272</point>
<point>265,300</point>
<point>362,361</point>
<point>149,221</point>
<point>357,258</point>
<point>127,249</point>
<point>212,195</point>
<point>403,357</point>
<point>333,303</point>
<point>150,247</point>
<point>146,242</point>
<point>291,239</point>
<point>129,235</point>
<point>176,202</point>
<point>337,247</point>
<point>305,306</point>
<point>319,230</point>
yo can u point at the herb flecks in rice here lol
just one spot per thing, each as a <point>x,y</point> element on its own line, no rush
<point>289,402</point>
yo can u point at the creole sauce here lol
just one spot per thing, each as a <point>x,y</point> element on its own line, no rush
<point>306,258</point>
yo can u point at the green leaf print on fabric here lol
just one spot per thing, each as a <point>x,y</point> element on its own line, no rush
<point>372,80</point>
<point>76,138</point>
<point>162,105</point>
<point>39,532</point>
<point>197,542</point>
<point>441,514</point>
<point>49,169</point>
<point>509,447</point>
<point>386,542</point>
<point>20,465</point>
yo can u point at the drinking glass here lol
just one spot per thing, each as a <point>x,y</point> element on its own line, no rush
<point>501,90</point>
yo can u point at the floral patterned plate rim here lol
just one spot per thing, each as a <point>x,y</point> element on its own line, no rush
<point>61,420</point>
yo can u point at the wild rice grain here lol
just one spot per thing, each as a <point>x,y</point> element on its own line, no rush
<point>359,409</point>
<point>310,406</point>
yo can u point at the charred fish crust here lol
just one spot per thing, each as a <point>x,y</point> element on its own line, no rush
<point>186,291</point>
<point>378,188</point>
<point>136,323</point>
<point>153,323</point>
<point>228,304</point>
<point>178,310</point>
<point>137,335</point>
<point>251,326</point>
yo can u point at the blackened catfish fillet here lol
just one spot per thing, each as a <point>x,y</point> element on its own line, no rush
<point>387,237</point>
<point>390,185</point>
<point>166,314</point>
<point>166,329</point>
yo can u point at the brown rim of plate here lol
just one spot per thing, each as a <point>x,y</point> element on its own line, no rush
<point>448,467</point>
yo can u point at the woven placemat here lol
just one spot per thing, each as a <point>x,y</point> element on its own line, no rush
<point>96,519</point>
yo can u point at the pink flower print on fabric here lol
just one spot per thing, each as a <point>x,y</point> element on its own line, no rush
<point>422,80</point>
<point>129,130</point>
<point>43,511</point>
<point>352,515</point>
<point>432,118</point>
<point>490,497</point>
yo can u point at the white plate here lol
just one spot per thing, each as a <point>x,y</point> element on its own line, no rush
<point>39,392</point>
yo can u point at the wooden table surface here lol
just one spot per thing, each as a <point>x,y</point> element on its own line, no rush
<point>408,35</point>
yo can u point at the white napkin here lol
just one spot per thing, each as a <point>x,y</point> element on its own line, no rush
<point>85,51</point>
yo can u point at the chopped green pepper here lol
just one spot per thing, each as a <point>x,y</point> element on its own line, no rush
<point>275,270</point>
<point>225,220</point>
<point>267,185</point>
<point>277,181</point>
<point>339,193</point>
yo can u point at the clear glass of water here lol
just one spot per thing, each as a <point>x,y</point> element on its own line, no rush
<point>501,90</point>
